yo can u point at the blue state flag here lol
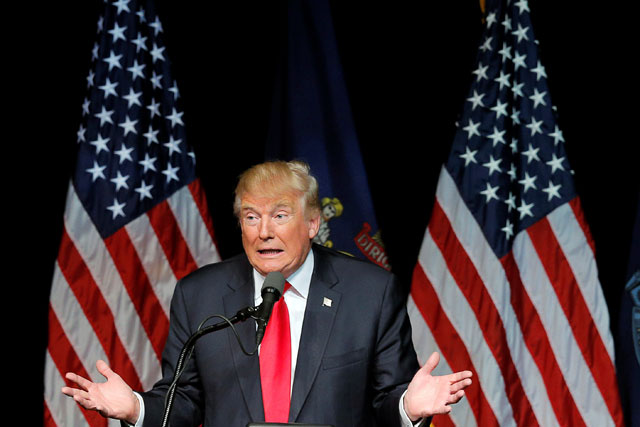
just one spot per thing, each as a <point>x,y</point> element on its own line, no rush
<point>311,121</point>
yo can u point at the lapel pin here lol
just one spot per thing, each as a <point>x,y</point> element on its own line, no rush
<point>326,302</point>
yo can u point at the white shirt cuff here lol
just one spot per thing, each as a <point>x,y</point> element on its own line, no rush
<point>141,414</point>
<point>404,418</point>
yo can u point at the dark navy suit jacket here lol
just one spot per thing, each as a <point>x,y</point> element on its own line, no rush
<point>354,362</point>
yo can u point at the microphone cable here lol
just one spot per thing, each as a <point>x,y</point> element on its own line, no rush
<point>183,360</point>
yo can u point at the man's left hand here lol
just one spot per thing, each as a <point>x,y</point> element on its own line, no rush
<point>429,395</point>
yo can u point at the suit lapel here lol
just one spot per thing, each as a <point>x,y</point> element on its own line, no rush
<point>322,305</point>
<point>247,367</point>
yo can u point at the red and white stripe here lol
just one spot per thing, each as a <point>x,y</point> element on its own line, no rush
<point>110,298</point>
<point>532,326</point>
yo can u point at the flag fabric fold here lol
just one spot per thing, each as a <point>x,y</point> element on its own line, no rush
<point>312,121</point>
<point>135,220</point>
<point>506,282</point>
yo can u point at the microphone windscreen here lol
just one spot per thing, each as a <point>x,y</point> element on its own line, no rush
<point>276,280</point>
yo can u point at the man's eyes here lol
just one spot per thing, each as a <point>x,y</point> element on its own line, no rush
<point>279,217</point>
<point>282,217</point>
<point>251,219</point>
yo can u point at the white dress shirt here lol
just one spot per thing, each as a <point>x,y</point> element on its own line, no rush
<point>296,299</point>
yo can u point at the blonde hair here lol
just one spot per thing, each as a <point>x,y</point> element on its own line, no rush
<point>274,178</point>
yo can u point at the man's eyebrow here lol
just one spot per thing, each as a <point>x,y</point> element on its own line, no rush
<point>279,205</point>
<point>283,204</point>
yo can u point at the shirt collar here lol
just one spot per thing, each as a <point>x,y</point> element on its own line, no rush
<point>300,280</point>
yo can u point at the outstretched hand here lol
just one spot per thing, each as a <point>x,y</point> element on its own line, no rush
<point>429,395</point>
<point>112,399</point>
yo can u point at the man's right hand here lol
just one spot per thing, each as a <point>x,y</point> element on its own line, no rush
<point>113,398</point>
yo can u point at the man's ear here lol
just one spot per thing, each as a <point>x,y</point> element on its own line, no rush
<point>314,225</point>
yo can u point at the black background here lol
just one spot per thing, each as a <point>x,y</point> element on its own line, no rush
<point>407,68</point>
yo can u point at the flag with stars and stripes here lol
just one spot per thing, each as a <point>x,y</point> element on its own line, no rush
<point>506,283</point>
<point>135,220</point>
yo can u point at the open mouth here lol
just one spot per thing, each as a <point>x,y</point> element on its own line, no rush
<point>269,251</point>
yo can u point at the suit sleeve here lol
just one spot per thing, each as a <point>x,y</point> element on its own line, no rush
<point>186,410</point>
<point>395,361</point>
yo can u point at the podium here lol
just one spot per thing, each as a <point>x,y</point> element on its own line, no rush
<point>263,424</point>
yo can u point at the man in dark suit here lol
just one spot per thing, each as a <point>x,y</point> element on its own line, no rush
<point>349,352</point>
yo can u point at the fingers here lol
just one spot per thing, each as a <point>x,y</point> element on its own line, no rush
<point>444,409</point>
<point>460,380</point>
<point>84,383</point>
<point>73,392</point>
<point>460,385</point>
<point>87,403</point>
<point>455,398</point>
<point>81,381</point>
<point>460,376</point>
<point>457,391</point>
<point>77,393</point>
<point>80,396</point>
<point>431,362</point>
<point>84,401</point>
<point>104,369</point>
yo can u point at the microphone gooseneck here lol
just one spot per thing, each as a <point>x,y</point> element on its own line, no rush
<point>272,289</point>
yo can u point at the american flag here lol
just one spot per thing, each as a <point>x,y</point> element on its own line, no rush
<point>506,281</point>
<point>135,220</point>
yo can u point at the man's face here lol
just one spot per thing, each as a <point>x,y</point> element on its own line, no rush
<point>276,236</point>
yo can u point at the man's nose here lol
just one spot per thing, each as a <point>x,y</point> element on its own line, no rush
<point>266,229</point>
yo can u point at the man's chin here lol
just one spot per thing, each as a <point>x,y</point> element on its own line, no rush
<point>266,268</point>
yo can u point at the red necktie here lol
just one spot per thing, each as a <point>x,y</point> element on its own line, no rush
<point>275,364</point>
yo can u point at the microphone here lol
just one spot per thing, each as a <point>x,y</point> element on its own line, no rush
<point>271,291</point>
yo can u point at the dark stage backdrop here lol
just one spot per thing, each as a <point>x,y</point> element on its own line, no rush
<point>407,67</point>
